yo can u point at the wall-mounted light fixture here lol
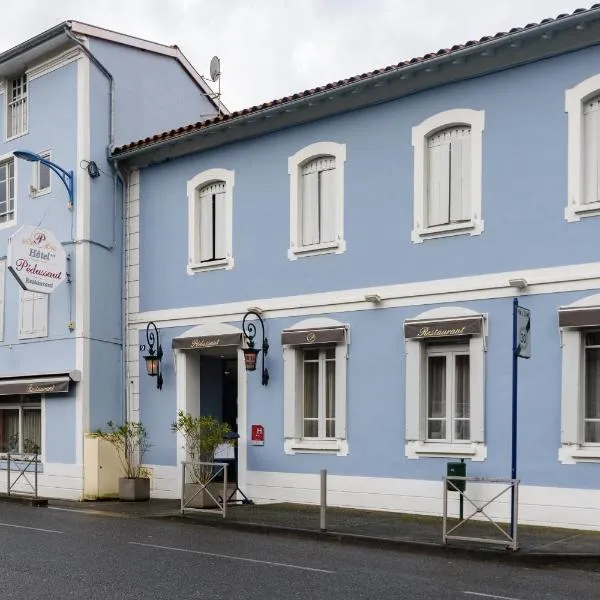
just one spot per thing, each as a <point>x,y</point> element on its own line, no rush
<point>65,176</point>
<point>251,353</point>
<point>154,356</point>
<point>518,282</point>
<point>374,298</point>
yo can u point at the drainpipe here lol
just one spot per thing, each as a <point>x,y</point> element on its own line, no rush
<point>117,175</point>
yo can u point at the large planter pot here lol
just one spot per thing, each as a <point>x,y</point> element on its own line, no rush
<point>134,490</point>
<point>196,497</point>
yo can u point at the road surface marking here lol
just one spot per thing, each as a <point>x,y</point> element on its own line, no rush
<point>489,596</point>
<point>31,528</point>
<point>88,511</point>
<point>252,560</point>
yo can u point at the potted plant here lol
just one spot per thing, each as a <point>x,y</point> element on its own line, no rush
<point>130,441</point>
<point>202,436</point>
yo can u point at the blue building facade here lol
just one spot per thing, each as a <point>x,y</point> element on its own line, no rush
<point>69,95</point>
<point>381,227</point>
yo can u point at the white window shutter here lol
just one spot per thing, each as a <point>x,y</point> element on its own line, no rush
<point>33,314</point>
<point>591,151</point>
<point>40,314</point>
<point>477,388</point>
<point>310,208</point>
<point>460,179</point>
<point>327,196</point>
<point>206,225</point>
<point>413,400</point>
<point>291,399</point>
<point>220,232</point>
<point>571,386</point>
<point>438,188</point>
<point>341,402</point>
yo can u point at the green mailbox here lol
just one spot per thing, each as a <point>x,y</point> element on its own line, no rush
<point>456,469</point>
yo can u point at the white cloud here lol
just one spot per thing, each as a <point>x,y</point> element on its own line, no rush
<point>271,48</point>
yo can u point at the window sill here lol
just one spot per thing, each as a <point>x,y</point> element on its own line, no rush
<point>576,212</point>
<point>570,454</point>
<point>16,137</point>
<point>473,450</point>
<point>298,446</point>
<point>40,193</point>
<point>472,227</point>
<point>213,265</point>
<point>337,247</point>
<point>8,224</point>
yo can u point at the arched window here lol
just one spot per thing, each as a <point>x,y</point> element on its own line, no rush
<point>448,172</point>
<point>210,220</point>
<point>317,199</point>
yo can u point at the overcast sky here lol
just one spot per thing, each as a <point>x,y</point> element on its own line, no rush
<point>272,48</point>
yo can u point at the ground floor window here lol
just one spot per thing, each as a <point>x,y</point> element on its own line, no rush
<point>445,384</point>
<point>448,392</point>
<point>20,426</point>
<point>591,404</point>
<point>315,356</point>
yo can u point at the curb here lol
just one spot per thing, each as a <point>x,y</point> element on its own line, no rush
<point>16,499</point>
<point>530,559</point>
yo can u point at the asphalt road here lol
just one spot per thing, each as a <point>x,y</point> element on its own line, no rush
<point>47,553</point>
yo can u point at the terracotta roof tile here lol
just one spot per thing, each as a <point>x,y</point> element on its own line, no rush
<point>330,86</point>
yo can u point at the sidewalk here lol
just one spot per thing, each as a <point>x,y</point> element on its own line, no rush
<point>538,546</point>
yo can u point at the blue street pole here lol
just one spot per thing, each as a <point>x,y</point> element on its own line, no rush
<point>65,176</point>
<point>515,364</point>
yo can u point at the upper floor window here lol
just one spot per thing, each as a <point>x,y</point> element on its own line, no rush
<point>447,174</point>
<point>33,314</point>
<point>317,199</point>
<point>16,107</point>
<point>582,104</point>
<point>41,182</point>
<point>7,190</point>
<point>210,207</point>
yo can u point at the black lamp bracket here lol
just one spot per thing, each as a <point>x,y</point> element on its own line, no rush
<point>249,330</point>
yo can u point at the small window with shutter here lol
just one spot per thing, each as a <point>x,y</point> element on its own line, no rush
<point>449,176</point>
<point>33,315</point>
<point>210,220</point>
<point>212,226</point>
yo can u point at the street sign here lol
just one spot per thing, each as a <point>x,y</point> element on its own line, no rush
<point>523,344</point>
<point>37,259</point>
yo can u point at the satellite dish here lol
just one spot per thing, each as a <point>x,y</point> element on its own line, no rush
<point>215,68</point>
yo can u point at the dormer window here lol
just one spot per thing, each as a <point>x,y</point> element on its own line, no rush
<point>16,109</point>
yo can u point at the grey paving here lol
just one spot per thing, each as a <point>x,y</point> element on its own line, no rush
<point>538,545</point>
<point>51,554</point>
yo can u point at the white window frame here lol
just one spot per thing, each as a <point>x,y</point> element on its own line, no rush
<point>417,444</point>
<point>572,449</point>
<point>8,94</point>
<point>40,332</point>
<point>35,190</point>
<point>294,443</point>
<point>11,158</point>
<point>194,185</point>
<point>574,100</point>
<point>295,164</point>
<point>475,119</point>
<point>29,406</point>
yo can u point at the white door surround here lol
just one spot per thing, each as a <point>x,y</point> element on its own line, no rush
<point>187,368</point>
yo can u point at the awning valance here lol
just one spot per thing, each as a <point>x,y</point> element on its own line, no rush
<point>579,317</point>
<point>208,341</point>
<point>443,328</point>
<point>297,337</point>
<point>37,384</point>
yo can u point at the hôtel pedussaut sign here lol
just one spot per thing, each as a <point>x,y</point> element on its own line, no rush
<point>37,259</point>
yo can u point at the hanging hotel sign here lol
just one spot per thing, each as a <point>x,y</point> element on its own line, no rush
<point>440,329</point>
<point>37,259</point>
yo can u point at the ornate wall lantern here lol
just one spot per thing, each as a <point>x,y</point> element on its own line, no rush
<point>251,353</point>
<point>154,356</point>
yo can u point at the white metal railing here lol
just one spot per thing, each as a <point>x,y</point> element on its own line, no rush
<point>199,488</point>
<point>479,507</point>
<point>26,465</point>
